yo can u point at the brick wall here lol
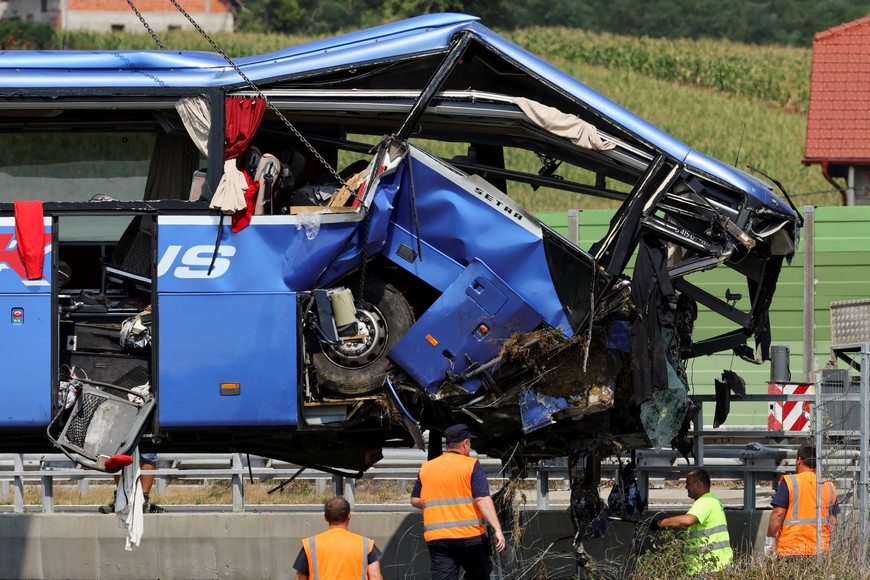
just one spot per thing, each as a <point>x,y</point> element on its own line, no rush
<point>147,6</point>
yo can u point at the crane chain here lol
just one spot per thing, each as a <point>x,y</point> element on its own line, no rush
<point>145,24</point>
<point>280,115</point>
<point>260,94</point>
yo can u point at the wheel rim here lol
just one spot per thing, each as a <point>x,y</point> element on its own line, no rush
<point>360,354</point>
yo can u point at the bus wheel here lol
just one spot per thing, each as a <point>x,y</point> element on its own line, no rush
<point>358,367</point>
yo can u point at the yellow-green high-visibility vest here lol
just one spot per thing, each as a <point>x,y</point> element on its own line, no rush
<point>708,545</point>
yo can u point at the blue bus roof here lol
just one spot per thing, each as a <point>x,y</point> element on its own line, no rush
<point>174,71</point>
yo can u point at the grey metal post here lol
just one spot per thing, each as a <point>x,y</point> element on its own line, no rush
<point>542,487</point>
<point>819,442</point>
<point>349,490</point>
<point>698,421</point>
<point>809,292</point>
<point>865,433</point>
<point>574,226</point>
<point>238,483</point>
<point>337,485</point>
<point>83,486</point>
<point>320,485</point>
<point>748,491</point>
<point>160,482</point>
<point>47,494</point>
<point>4,489</point>
<point>642,478</point>
<point>18,483</point>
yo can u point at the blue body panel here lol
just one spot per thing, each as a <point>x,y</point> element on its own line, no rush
<point>237,325</point>
<point>273,254</point>
<point>163,70</point>
<point>25,335</point>
<point>210,339</point>
<point>465,219</point>
<point>537,410</point>
<point>447,338</point>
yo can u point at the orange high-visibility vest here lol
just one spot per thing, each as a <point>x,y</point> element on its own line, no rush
<point>798,535</point>
<point>449,510</point>
<point>337,554</point>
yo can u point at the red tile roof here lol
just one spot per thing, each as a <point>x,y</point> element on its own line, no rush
<point>838,123</point>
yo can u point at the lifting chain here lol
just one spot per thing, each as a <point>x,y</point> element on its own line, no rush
<point>260,94</point>
<point>280,115</point>
<point>145,24</point>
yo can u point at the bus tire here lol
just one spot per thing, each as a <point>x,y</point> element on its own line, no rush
<point>359,369</point>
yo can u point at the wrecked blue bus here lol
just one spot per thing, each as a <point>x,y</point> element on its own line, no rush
<point>314,254</point>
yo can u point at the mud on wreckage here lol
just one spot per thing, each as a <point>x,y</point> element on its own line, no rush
<point>313,254</point>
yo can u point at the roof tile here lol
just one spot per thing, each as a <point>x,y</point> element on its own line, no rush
<point>838,121</point>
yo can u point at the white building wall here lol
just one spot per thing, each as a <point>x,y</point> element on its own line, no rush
<point>54,12</point>
<point>859,183</point>
<point>31,10</point>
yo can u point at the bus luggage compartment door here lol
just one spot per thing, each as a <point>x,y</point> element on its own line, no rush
<point>25,333</point>
<point>226,323</point>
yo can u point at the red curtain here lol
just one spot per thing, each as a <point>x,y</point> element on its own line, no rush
<point>243,116</point>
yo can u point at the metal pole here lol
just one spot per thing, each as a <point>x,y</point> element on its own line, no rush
<point>574,226</point>
<point>749,491</point>
<point>238,483</point>
<point>350,491</point>
<point>865,432</point>
<point>817,413</point>
<point>47,494</point>
<point>809,292</point>
<point>18,483</point>
<point>337,485</point>
<point>542,487</point>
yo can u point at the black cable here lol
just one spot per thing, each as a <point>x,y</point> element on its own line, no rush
<point>414,203</point>
<point>217,245</point>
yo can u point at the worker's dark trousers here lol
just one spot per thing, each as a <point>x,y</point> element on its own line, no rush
<point>447,556</point>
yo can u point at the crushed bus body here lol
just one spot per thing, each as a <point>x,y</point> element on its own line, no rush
<point>378,279</point>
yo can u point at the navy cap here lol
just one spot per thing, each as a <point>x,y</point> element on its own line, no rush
<point>457,433</point>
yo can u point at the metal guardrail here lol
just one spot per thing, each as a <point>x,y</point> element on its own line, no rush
<point>728,461</point>
<point>397,464</point>
<point>765,461</point>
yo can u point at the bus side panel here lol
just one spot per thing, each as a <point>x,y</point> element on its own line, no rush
<point>25,334</point>
<point>226,324</point>
<point>227,360</point>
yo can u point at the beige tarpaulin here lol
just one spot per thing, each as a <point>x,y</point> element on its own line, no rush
<point>565,125</point>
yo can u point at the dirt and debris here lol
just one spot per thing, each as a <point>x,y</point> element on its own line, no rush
<point>559,363</point>
<point>388,406</point>
<point>530,348</point>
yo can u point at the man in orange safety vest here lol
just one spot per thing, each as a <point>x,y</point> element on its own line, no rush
<point>453,493</point>
<point>338,554</point>
<point>792,530</point>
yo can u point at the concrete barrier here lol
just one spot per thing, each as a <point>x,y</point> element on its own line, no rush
<point>265,545</point>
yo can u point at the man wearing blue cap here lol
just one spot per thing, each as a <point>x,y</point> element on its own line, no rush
<point>453,493</point>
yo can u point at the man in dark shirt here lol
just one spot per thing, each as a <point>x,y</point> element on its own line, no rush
<point>338,554</point>
<point>453,493</point>
<point>792,529</point>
